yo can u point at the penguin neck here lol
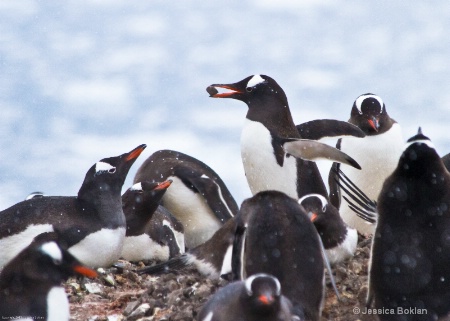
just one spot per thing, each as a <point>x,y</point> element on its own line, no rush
<point>274,115</point>
<point>107,202</point>
<point>138,215</point>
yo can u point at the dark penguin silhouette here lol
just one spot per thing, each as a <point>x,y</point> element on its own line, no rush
<point>411,247</point>
<point>153,233</point>
<point>212,258</point>
<point>338,239</point>
<point>275,236</point>
<point>377,153</point>
<point>30,285</point>
<point>92,223</point>
<point>258,298</point>
<point>270,138</point>
<point>198,198</point>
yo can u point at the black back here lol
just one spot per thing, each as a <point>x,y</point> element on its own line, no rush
<point>411,248</point>
<point>275,236</point>
<point>165,163</point>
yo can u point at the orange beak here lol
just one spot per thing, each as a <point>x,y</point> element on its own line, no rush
<point>135,152</point>
<point>163,185</point>
<point>82,270</point>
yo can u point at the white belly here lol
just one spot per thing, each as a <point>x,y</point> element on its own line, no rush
<point>260,165</point>
<point>12,245</point>
<point>57,305</point>
<point>378,156</point>
<point>345,250</point>
<point>101,248</point>
<point>192,211</point>
<point>142,247</point>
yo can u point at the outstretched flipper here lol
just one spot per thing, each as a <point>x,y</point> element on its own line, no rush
<point>210,191</point>
<point>358,201</point>
<point>322,128</point>
<point>312,150</point>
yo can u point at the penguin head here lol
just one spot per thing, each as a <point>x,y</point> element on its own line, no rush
<point>110,173</point>
<point>315,205</point>
<point>262,293</point>
<point>325,217</point>
<point>369,113</point>
<point>145,194</point>
<point>46,259</point>
<point>252,90</point>
<point>419,156</point>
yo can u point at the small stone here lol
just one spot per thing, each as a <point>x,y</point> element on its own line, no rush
<point>131,306</point>
<point>93,288</point>
<point>139,312</point>
<point>212,90</point>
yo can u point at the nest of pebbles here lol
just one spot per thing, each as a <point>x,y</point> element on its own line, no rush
<point>121,294</point>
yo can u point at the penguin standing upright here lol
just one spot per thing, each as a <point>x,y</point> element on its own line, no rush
<point>91,220</point>
<point>258,298</point>
<point>30,285</point>
<point>411,247</point>
<point>266,154</point>
<point>153,233</point>
<point>198,198</point>
<point>275,236</point>
<point>377,153</point>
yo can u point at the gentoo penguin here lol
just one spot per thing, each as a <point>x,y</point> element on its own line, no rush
<point>91,220</point>
<point>268,164</point>
<point>198,198</point>
<point>257,298</point>
<point>153,233</point>
<point>211,259</point>
<point>30,284</point>
<point>377,153</point>
<point>409,273</point>
<point>339,240</point>
<point>274,235</point>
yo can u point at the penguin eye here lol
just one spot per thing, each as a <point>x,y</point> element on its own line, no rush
<point>112,170</point>
<point>324,209</point>
<point>249,89</point>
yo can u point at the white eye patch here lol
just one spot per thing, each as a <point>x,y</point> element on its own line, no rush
<point>360,100</point>
<point>136,187</point>
<point>256,79</point>
<point>322,199</point>
<point>52,250</point>
<point>104,167</point>
<point>249,281</point>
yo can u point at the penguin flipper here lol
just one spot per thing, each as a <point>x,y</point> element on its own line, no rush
<point>328,128</point>
<point>209,189</point>
<point>237,258</point>
<point>358,201</point>
<point>312,150</point>
<point>175,264</point>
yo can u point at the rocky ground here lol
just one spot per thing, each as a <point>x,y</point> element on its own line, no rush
<point>121,294</point>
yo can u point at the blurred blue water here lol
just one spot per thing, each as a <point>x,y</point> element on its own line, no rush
<point>83,80</point>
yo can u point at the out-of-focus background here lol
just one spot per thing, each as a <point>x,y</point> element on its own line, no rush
<point>84,80</point>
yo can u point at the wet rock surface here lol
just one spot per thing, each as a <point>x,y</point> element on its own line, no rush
<point>119,293</point>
